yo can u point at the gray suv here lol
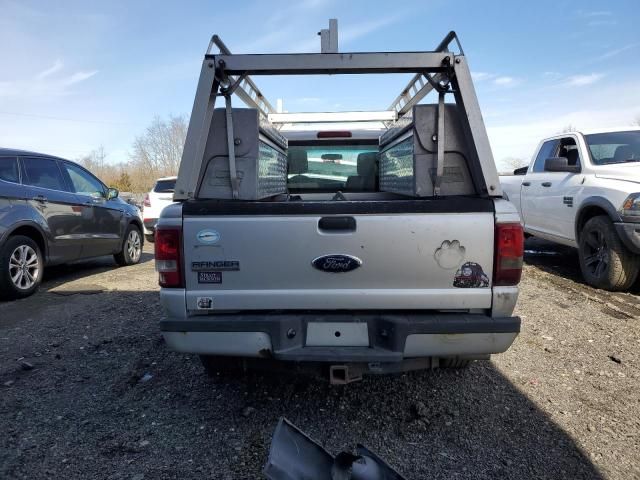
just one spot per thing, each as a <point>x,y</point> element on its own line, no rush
<point>53,211</point>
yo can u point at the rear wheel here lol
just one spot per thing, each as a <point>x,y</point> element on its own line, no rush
<point>131,247</point>
<point>149,238</point>
<point>604,260</point>
<point>21,267</point>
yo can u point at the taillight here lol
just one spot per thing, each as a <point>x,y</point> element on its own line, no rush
<point>168,253</point>
<point>147,200</point>
<point>509,249</point>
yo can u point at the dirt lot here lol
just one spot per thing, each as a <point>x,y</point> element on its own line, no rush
<point>106,399</point>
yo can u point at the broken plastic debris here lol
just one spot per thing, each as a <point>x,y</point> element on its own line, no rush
<point>294,455</point>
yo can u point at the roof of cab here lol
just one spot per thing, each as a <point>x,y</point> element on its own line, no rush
<point>591,131</point>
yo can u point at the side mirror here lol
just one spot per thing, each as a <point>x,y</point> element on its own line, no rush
<point>112,193</point>
<point>560,164</point>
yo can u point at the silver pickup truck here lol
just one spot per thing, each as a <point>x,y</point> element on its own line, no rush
<point>360,241</point>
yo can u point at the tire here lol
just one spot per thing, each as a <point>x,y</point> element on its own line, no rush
<point>215,365</point>
<point>604,260</point>
<point>21,267</point>
<point>454,362</point>
<point>149,238</point>
<point>131,247</point>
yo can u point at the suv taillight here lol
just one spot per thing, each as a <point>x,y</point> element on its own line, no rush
<point>509,250</point>
<point>168,253</point>
<point>147,200</point>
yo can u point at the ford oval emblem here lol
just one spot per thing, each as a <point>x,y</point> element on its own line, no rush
<point>208,237</point>
<point>336,263</point>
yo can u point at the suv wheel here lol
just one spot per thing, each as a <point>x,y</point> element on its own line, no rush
<point>21,265</point>
<point>604,260</point>
<point>131,247</point>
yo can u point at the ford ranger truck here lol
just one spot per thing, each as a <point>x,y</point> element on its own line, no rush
<point>582,189</point>
<point>366,242</point>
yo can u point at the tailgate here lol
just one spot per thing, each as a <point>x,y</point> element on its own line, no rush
<point>432,258</point>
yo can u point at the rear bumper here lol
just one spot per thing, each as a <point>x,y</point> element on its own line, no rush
<point>630,235</point>
<point>384,337</point>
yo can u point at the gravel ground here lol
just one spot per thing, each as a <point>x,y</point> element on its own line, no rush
<point>89,390</point>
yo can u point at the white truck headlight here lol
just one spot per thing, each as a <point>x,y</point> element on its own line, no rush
<point>631,206</point>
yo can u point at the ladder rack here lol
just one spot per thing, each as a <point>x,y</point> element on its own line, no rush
<point>224,74</point>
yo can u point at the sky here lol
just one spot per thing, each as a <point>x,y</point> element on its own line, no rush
<point>79,75</point>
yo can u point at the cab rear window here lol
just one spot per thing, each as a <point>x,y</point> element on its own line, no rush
<point>332,168</point>
<point>165,186</point>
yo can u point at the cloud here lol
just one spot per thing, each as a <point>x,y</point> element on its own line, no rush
<point>505,81</point>
<point>481,76</point>
<point>307,100</point>
<point>495,79</point>
<point>47,83</point>
<point>552,75</point>
<point>598,13</point>
<point>78,77</point>
<point>525,123</point>
<point>294,30</point>
<point>311,4</point>
<point>601,23</point>
<point>57,66</point>
<point>362,29</point>
<point>582,80</point>
<point>617,51</point>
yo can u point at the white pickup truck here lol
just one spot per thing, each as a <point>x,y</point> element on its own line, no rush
<point>582,189</point>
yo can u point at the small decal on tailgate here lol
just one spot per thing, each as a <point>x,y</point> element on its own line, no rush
<point>209,277</point>
<point>204,303</point>
<point>471,275</point>
<point>208,237</point>
<point>450,254</point>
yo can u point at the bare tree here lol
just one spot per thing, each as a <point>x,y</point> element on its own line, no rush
<point>636,121</point>
<point>158,151</point>
<point>95,162</point>
<point>155,153</point>
<point>568,128</point>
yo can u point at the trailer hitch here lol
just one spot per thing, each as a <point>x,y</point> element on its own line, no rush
<point>343,374</point>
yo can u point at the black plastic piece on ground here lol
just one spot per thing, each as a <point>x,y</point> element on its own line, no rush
<point>294,455</point>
